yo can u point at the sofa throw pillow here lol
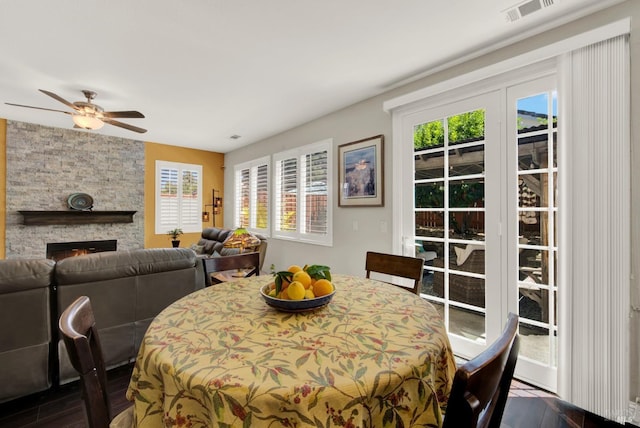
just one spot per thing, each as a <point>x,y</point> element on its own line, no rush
<point>199,249</point>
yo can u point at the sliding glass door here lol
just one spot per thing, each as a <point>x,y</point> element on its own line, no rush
<point>532,141</point>
<point>480,206</point>
<point>455,212</point>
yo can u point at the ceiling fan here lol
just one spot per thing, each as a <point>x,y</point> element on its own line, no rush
<point>87,115</point>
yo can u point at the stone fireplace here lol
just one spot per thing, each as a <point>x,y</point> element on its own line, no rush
<point>45,165</point>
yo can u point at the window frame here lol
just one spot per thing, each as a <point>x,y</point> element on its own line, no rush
<point>160,226</point>
<point>300,153</point>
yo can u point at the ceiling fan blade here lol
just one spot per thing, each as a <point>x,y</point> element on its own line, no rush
<point>124,125</point>
<point>38,108</point>
<point>130,114</point>
<point>58,98</point>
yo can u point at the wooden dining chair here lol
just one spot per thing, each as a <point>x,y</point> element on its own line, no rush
<point>391,264</point>
<point>80,335</point>
<point>481,385</point>
<point>247,262</point>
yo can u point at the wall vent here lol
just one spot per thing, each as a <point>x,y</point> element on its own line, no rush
<point>525,8</point>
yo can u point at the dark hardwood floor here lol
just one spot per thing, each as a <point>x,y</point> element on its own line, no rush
<point>527,407</point>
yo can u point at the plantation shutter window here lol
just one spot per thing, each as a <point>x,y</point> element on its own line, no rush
<point>252,195</point>
<point>242,201</point>
<point>315,193</point>
<point>260,217</point>
<point>286,195</point>
<point>178,197</point>
<point>169,205</point>
<point>302,196</point>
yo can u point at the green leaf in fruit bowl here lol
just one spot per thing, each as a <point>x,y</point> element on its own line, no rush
<point>319,272</point>
<point>281,276</point>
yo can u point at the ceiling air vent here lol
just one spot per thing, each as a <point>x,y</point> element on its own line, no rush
<point>523,9</point>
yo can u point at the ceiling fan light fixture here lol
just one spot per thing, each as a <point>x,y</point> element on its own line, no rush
<point>87,122</point>
<point>87,115</point>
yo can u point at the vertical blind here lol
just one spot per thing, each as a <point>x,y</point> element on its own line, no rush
<point>594,365</point>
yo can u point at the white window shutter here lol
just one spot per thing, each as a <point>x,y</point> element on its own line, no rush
<point>178,197</point>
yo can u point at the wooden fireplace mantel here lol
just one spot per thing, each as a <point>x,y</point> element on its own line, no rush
<point>71,217</point>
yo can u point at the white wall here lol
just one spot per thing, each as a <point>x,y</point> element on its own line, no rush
<point>349,246</point>
<point>367,119</point>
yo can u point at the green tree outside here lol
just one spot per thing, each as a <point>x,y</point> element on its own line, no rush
<point>461,127</point>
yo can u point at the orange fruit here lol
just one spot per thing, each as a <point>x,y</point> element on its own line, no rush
<point>322,287</point>
<point>302,277</point>
<point>294,268</point>
<point>296,291</point>
<point>284,294</point>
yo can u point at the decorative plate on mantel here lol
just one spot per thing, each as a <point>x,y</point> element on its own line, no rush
<point>80,202</point>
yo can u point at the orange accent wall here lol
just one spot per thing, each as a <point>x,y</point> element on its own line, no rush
<point>3,187</point>
<point>213,178</point>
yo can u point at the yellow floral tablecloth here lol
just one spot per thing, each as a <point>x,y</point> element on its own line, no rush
<point>376,356</point>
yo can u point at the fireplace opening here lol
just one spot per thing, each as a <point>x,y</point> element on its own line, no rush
<point>61,250</point>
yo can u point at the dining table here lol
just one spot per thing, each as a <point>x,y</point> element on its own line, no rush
<point>374,356</point>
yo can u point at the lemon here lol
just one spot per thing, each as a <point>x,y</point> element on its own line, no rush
<point>272,293</point>
<point>308,294</point>
<point>296,290</point>
<point>303,278</point>
<point>294,268</point>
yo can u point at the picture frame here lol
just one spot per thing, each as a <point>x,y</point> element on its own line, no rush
<point>361,173</point>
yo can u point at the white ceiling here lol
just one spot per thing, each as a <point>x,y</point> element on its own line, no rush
<point>204,70</point>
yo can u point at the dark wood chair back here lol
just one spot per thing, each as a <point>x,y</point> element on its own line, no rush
<point>249,262</point>
<point>80,335</point>
<point>481,385</point>
<point>391,264</point>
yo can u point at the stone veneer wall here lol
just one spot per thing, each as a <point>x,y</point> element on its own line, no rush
<point>45,165</point>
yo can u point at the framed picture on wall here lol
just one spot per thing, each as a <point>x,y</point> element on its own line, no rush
<point>360,173</point>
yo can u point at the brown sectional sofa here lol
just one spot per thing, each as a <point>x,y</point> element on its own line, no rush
<point>127,290</point>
